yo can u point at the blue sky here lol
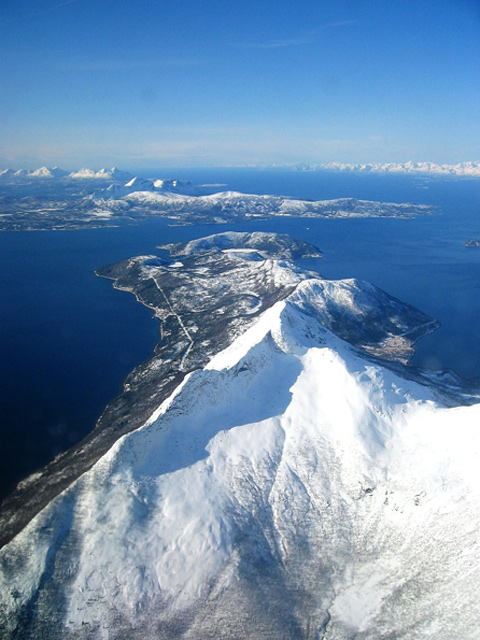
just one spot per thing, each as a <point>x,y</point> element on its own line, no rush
<point>214,83</point>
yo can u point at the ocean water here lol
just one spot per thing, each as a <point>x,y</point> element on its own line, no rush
<point>68,339</point>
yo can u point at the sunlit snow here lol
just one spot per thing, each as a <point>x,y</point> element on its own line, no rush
<point>291,488</point>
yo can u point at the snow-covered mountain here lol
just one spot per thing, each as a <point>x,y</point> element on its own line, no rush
<point>104,174</point>
<point>232,205</point>
<point>119,190</point>
<point>460,169</point>
<point>8,175</point>
<point>294,486</point>
<point>120,179</point>
<point>105,183</point>
<point>63,176</point>
<point>71,203</point>
<point>44,172</point>
<point>145,185</point>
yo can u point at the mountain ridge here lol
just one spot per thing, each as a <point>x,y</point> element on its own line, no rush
<point>468,168</point>
<point>291,486</point>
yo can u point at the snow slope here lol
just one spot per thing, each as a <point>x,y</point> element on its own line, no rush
<point>291,488</point>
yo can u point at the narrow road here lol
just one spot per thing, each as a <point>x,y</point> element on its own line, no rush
<point>180,321</point>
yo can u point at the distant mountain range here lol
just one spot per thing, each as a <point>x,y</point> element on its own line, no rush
<point>430,168</point>
<point>56,173</point>
<point>112,183</point>
<point>132,183</point>
<point>54,199</point>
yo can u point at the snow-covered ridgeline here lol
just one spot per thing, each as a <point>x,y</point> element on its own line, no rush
<point>459,169</point>
<point>244,205</point>
<point>290,488</point>
<point>81,174</point>
<point>121,180</point>
<point>119,189</point>
<point>57,173</point>
<point>469,168</point>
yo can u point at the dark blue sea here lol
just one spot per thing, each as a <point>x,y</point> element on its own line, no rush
<point>68,339</point>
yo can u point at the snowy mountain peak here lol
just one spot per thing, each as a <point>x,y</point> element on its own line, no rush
<point>290,487</point>
<point>140,184</point>
<point>104,174</point>
<point>114,174</point>
<point>43,172</point>
<point>117,190</point>
<point>266,244</point>
<point>82,174</point>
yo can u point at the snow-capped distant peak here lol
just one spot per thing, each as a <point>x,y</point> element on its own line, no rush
<point>140,184</point>
<point>82,174</point>
<point>104,174</point>
<point>114,174</point>
<point>135,185</point>
<point>43,172</point>
<point>459,169</point>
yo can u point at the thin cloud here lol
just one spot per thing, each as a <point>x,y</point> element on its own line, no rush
<point>301,40</point>
<point>276,44</point>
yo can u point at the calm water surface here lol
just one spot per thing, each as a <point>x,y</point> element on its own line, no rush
<point>68,339</point>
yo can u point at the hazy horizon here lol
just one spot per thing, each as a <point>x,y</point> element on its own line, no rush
<point>216,84</point>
